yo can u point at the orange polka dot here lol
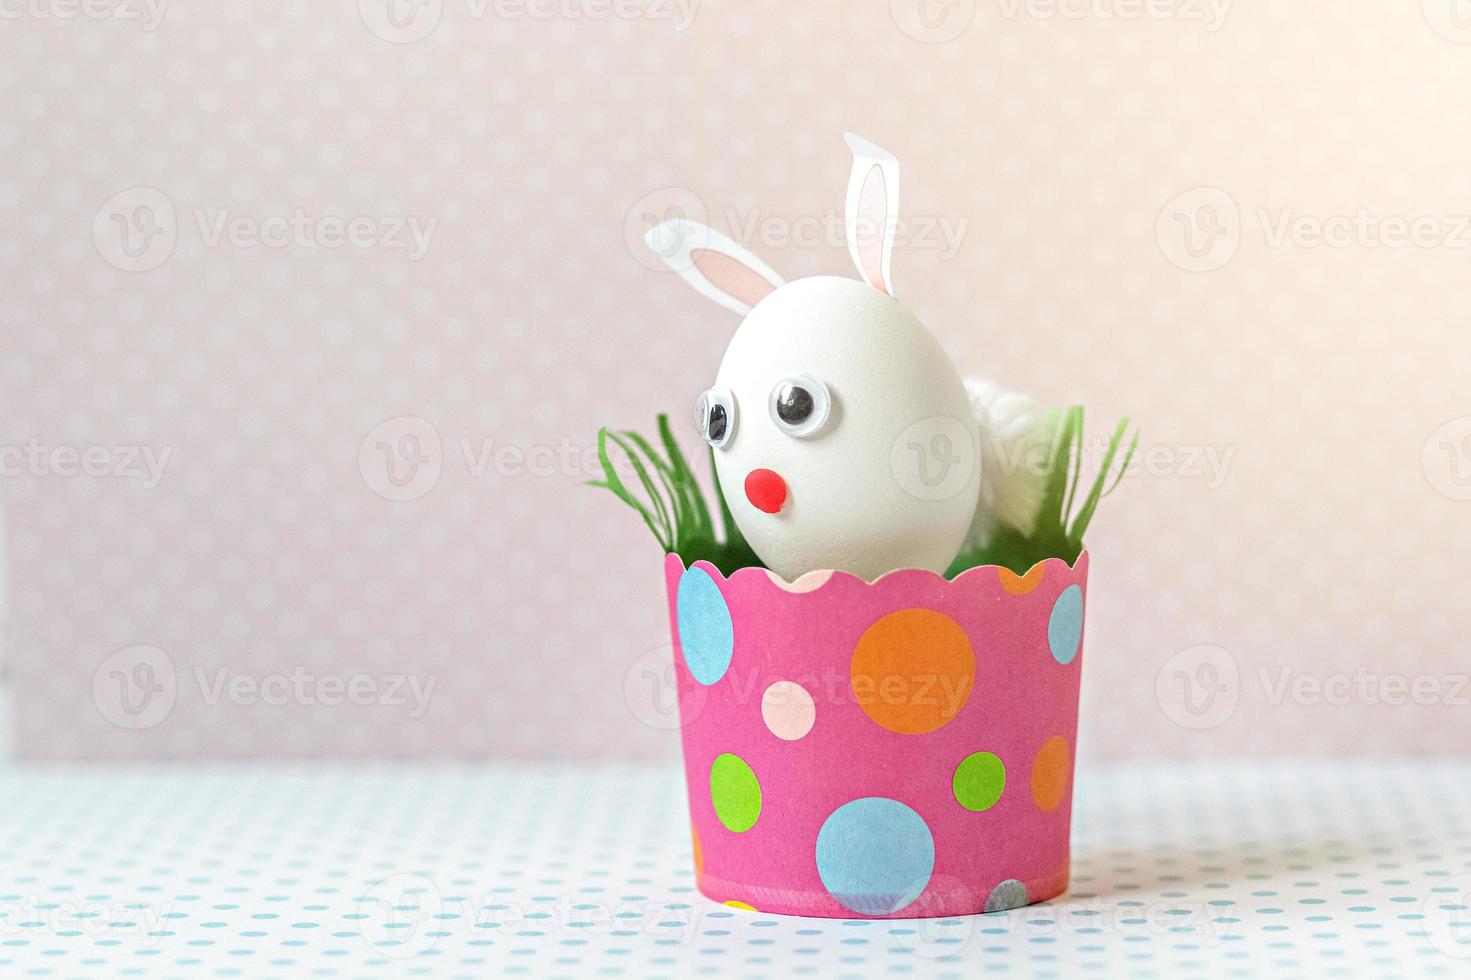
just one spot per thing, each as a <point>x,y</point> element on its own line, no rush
<point>740,905</point>
<point>1051,773</point>
<point>912,671</point>
<point>699,851</point>
<point>1021,584</point>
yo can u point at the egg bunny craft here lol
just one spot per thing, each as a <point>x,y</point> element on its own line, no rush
<point>842,431</point>
<point>845,446</point>
<point>842,436</point>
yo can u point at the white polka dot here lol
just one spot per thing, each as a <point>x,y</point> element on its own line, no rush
<point>788,710</point>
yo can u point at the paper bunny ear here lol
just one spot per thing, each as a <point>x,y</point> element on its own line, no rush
<point>872,211</point>
<point>717,267</point>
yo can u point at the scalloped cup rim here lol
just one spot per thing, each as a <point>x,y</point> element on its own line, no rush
<point>830,575</point>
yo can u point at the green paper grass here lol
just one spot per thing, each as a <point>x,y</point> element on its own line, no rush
<point>673,506</point>
<point>673,502</point>
<point>1058,531</point>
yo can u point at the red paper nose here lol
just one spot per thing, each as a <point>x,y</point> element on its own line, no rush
<point>766,490</point>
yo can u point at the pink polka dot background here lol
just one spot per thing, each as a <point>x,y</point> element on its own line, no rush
<point>370,536</point>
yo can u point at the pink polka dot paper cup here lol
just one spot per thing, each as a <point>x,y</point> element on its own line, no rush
<point>895,749</point>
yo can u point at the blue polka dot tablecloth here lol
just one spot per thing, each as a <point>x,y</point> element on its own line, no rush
<point>1358,869</point>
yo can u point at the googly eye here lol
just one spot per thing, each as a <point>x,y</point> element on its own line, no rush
<point>715,417</point>
<point>801,406</point>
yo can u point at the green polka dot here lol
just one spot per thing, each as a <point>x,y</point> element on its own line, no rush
<point>978,781</point>
<point>735,792</point>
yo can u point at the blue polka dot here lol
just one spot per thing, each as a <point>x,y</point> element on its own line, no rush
<point>875,855</point>
<point>1010,894</point>
<point>1065,628</point>
<point>705,633</point>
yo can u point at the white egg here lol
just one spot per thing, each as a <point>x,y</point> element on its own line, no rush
<point>844,438</point>
<point>890,479</point>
